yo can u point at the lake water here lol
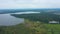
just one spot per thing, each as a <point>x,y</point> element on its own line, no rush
<point>30,12</point>
<point>8,20</point>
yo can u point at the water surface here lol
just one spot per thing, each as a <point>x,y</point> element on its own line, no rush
<point>8,20</point>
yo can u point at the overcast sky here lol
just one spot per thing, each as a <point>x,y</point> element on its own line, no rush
<point>29,4</point>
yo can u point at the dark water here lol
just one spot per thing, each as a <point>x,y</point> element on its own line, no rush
<point>8,20</point>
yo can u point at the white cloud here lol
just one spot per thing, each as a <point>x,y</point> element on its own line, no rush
<point>29,4</point>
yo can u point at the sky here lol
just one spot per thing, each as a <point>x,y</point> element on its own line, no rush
<point>15,4</point>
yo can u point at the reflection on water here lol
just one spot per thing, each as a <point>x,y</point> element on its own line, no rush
<point>7,20</point>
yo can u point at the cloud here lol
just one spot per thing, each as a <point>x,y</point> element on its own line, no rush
<point>29,4</point>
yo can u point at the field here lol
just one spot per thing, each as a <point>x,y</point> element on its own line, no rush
<point>30,27</point>
<point>53,28</point>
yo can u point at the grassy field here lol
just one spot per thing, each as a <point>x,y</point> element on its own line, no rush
<point>30,27</point>
<point>53,28</point>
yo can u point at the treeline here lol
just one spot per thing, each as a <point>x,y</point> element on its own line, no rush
<point>42,17</point>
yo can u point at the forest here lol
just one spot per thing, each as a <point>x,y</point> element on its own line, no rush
<point>42,17</point>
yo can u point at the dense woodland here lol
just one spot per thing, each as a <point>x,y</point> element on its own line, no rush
<point>42,17</point>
